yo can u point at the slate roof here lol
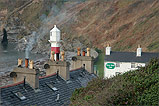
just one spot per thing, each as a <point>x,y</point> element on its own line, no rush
<point>130,57</point>
<point>46,96</point>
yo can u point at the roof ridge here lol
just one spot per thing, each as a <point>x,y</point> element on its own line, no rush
<point>39,78</point>
<point>12,84</point>
<point>47,76</point>
<point>134,52</point>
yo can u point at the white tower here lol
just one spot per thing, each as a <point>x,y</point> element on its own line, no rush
<point>55,42</point>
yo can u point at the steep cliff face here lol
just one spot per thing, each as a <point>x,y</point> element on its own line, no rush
<point>122,23</point>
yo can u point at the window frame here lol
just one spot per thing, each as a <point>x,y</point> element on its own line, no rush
<point>117,64</point>
<point>133,65</point>
<point>118,73</point>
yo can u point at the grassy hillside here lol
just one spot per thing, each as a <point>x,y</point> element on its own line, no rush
<point>122,23</point>
<point>140,87</point>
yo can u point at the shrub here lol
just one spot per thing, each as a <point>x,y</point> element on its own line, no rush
<point>139,87</point>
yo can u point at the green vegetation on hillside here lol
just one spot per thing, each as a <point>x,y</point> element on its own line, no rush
<point>123,23</point>
<point>139,87</point>
<point>153,45</point>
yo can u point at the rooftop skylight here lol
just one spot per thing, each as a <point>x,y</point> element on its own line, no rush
<point>51,87</point>
<point>20,95</point>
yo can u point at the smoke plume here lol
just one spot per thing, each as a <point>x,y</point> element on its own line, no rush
<point>56,16</point>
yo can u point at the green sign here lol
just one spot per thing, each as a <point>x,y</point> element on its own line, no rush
<point>110,65</point>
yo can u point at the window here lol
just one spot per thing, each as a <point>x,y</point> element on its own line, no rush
<point>132,65</point>
<point>117,73</point>
<point>139,65</point>
<point>117,64</point>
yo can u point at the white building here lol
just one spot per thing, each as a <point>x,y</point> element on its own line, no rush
<point>120,62</point>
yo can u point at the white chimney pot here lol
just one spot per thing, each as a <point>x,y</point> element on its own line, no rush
<point>108,50</point>
<point>139,51</point>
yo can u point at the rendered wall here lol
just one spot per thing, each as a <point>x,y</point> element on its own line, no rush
<point>124,67</point>
<point>61,66</point>
<point>31,76</point>
<point>81,60</point>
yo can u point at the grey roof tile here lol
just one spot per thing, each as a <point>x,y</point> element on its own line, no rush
<point>46,96</point>
<point>130,57</point>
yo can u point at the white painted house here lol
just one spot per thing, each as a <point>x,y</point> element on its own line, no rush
<point>120,62</point>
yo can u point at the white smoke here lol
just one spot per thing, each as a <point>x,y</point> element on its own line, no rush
<point>56,16</point>
<point>30,43</point>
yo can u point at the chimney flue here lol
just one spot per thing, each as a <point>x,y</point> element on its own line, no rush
<point>88,51</point>
<point>63,54</point>
<point>31,64</point>
<point>20,61</point>
<point>78,51</point>
<point>26,62</point>
<point>52,55</point>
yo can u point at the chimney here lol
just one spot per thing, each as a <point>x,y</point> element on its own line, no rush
<point>63,54</point>
<point>108,50</point>
<point>78,51</point>
<point>139,51</point>
<point>31,76</point>
<point>83,53</point>
<point>59,67</point>
<point>88,51</point>
<point>26,62</point>
<point>31,64</point>
<point>20,61</point>
<point>52,55</point>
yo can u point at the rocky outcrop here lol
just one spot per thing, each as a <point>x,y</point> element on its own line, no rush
<point>4,40</point>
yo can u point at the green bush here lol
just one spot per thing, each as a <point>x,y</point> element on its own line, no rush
<point>139,87</point>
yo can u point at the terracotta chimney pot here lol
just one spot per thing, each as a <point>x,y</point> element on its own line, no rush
<point>31,64</point>
<point>52,55</point>
<point>83,53</point>
<point>88,51</point>
<point>20,61</point>
<point>78,51</point>
<point>26,62</point>
<point>63,54</point>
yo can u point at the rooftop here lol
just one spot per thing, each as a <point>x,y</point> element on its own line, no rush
<point>53,90</point>
<point>130,57</point>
